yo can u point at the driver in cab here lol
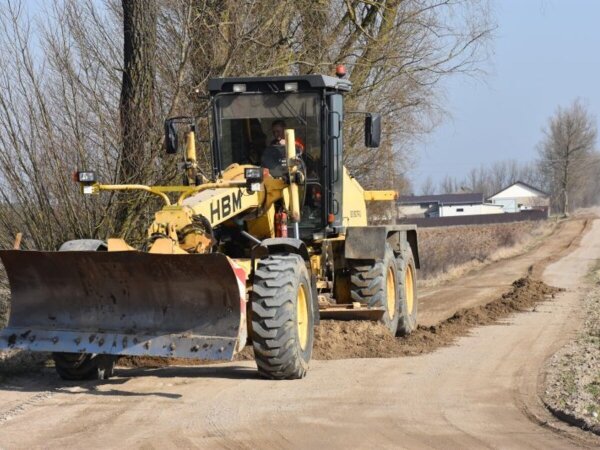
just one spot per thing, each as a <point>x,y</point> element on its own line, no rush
<point>278,129</point>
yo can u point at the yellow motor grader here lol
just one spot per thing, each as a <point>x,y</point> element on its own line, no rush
<point>275,238</point>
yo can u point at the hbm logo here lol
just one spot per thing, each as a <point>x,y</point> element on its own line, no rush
<point>225,206</point>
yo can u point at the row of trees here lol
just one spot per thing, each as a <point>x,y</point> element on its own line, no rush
<point>86,85</point>
<point>567,167</point>
<point>485,179</point>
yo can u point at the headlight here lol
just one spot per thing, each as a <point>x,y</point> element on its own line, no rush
<point>253,174</point>
<point>86,177</point>
<point>254,177</point>
<point>288,87</point>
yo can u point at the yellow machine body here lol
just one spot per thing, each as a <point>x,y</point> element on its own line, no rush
<point>188,291</point>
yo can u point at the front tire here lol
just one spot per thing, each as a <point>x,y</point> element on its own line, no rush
<point>84,366</point>
<point>282,317</point>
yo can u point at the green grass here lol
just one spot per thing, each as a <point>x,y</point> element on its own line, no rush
<point>594,388</point>
<point>568,382</point>
<point>591,409</point>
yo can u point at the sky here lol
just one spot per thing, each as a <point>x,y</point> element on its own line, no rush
<point>545,53</point>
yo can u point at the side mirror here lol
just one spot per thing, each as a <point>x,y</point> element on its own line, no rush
<point>372,130</point>
<point>171,140</point>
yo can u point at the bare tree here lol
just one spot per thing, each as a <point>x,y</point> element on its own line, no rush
<point>59,112</point>
<point>397,53</point>
<point>566,151</point>
<point>56,115</point>
<point>448,185</point>
<point>428,186</point>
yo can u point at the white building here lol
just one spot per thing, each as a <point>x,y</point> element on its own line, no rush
<point>520,196</point>
<point>470,209</point>
<point>445,205</point>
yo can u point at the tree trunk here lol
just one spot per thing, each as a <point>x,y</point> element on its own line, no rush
<point>137,100</point>
<point>565,185</point>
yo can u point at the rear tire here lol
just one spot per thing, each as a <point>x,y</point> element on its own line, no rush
<point>84,366</point>
<point>409,304</point>
<point>282,317</point>
<point>375,284</point>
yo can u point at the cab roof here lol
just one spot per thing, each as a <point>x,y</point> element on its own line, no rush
<point>267,84</point>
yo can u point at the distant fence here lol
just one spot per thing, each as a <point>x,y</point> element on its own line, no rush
<point>530,214</point>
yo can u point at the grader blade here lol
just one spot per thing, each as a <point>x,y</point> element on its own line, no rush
<point>125,303</point>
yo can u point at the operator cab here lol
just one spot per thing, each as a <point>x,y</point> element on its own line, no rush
<point>246,113</point>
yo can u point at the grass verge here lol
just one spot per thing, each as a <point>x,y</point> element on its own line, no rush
<point>572,376</point>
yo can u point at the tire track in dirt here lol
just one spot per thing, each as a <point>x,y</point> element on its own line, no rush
<point>537,269</point>
<point>23,406</point>
<point>480,286</point>
<point>12,408</point>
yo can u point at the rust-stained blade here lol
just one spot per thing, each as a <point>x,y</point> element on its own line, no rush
<point>125,303</point>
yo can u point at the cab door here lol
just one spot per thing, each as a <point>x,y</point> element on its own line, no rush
<point>335,144</point>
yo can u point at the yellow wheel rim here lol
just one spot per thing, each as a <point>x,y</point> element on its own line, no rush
<point>302,317</point>
<point>391,292</point>
<point>409,289</point>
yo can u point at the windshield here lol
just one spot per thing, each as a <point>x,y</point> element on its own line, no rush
<point>248,123</point>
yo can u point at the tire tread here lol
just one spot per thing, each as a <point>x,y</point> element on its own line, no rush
<point>273,317</point>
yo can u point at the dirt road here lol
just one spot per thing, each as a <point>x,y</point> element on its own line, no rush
<point>479,393</point>
<point>479,287</point>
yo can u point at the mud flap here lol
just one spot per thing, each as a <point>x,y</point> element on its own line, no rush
<point>126,303</point>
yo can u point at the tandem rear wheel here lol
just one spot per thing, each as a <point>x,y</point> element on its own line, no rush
<point>389,284</point>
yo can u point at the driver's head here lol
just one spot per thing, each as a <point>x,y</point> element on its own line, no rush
<point>278,129</point>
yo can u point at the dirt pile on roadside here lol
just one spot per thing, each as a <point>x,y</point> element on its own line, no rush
<point>354,339</point>
<point>357,339</point>
<point>363,339</point>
